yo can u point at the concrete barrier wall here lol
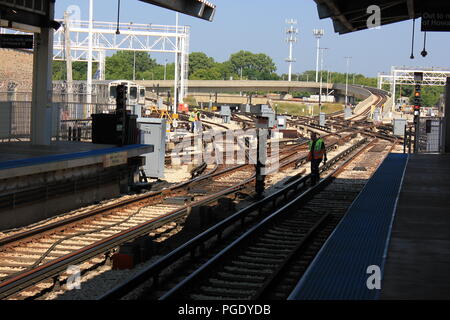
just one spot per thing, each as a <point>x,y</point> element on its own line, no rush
<point>363,105</point>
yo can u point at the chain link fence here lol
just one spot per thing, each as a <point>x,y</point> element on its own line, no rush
<point>70,121</point>
<point>430,135</point>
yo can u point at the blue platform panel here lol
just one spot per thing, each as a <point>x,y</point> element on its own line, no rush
<point>65,156</point>
<point>340,269</point>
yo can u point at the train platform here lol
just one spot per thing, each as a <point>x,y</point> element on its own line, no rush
<point>418,260</point>
<point>393,242</point>
<point>22,158</point>
<point>38,182</point>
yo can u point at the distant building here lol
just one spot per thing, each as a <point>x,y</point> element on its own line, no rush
<point>325,98</point>
<point>16,70</point>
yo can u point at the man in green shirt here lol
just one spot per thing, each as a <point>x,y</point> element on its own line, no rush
<point>317,154</point>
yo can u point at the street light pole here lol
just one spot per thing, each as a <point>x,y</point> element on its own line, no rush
<point>346,81</point>
<point>165,68</point>
<point>89,56</point>
<point>322,51</point>
<point>134,65</point>
<point>318,33</point>
<point>328,81</point>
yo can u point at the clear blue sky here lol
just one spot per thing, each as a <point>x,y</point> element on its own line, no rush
<point>258,26</point>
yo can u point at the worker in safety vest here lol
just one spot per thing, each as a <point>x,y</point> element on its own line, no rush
<point>197,120</point>
<point>317,154</point>
<point>192,120</point>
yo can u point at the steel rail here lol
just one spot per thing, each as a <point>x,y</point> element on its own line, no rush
<point>195,276</point>
<point>28,278</point>
<point>190,247</point>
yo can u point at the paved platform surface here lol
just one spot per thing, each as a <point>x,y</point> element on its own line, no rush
<point>24,150</point>
<point>340,269</point>
<point>418,261</point>
<point>22,158</point>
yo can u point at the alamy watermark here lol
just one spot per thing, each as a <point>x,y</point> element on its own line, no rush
<point>233,147</point>
<point>374,20</point>
<point>374,280</point>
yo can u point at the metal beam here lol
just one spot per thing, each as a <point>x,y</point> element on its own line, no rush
<point>411,12</point>
<point>336,14</point>
<point>197,8</point>
<point>405,76</point>
<point>27,16</point>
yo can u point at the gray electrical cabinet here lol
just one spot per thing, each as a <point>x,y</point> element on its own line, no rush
<point>245,108</point>
<point>225,111</point>
<point>376,115</point>
<point>322,119</point>
<point>272,120</point>
<point>261,109</point>
<point>348,112</point>
<point>265,111</point>
<point>153,131</point>
<point>399,127</point>
<point>281,122</point>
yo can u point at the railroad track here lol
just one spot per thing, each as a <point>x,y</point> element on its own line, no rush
<point>251,256</point>
<point>268,259</point>
<point>40,254</point>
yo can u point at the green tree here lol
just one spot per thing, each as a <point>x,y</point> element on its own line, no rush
<point>207,74</point>
<point>199,61</point>
<point>252,66</point>
<point>79,70</point>
<point>121,64</point>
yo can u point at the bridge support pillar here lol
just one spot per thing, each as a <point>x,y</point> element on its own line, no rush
<point>41,106</point>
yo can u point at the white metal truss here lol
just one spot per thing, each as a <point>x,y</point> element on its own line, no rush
<point>405,76</point>
<point>132,37</point>
<point>431,76</point>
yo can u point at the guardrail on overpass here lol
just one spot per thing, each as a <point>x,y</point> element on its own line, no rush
<point>206,86</point>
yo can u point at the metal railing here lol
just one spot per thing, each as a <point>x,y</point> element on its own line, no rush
<point>70,120</point>
<point>15,119</point>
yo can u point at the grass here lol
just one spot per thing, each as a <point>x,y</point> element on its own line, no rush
<point>299,109</point>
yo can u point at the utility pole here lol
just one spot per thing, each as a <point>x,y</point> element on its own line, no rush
<point>322,51</point>
<point>346,80</point>
<point>165,68</point>
<point>328,82</point>
<point>418,79</point>
<point>134,65</point>
<point>177,53</point>
<point>291,39</point>
<point>68,54</point>
<point>89,58</point>
<point>318,33</point>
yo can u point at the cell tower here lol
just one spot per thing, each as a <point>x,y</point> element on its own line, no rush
<point>291,33</point>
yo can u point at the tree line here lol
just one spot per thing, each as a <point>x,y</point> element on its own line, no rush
<point>243,65</point>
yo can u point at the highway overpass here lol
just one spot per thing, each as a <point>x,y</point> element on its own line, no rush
<point>207,86</point>
<point>228,86</point>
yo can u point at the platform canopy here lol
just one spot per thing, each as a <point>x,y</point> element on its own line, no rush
<point>197,8</point>
<point>353,15</point>
<point>27,16</point>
